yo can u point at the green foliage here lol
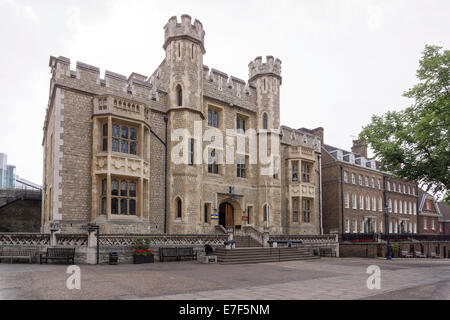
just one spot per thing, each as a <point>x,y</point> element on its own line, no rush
<point>141,243</point>
<point>395,248</point>
<point>414,144</point>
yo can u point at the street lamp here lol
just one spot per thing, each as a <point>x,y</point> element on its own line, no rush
<point>386,216</point>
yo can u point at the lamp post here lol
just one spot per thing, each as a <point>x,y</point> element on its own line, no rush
<point>386,216</point>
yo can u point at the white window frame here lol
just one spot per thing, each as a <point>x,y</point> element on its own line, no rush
<point>346,200</point>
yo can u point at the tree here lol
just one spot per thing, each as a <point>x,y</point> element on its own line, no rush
<point>414,144</point>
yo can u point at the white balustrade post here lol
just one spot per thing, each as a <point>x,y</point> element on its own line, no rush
<point>91,251</point>
<point>54,229</point>
<point>266,237</point>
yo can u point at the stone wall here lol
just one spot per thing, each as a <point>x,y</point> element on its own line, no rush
<point>21,216</point>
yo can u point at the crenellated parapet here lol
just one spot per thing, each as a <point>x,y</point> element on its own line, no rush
<point>306,141</point>
<point>136,90</point>
<point>184,29</point>
<point>87,77</point>
<point>232,90</point>
<point>270,67</point>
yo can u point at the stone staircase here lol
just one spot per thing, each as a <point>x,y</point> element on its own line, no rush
<point>259,255</point>
<point>246,242</point>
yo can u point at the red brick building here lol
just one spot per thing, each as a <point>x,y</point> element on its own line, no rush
<point>402,199</point>
<point>355,192</point>
<point>429,215</point>
<point>445,218</point>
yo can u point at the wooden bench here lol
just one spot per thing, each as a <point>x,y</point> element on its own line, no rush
<point>67,254</point>
<point>187,253</point>
<point>406,254</point>
<point>327,252</point>
<point>419,254</point>
<point>433,255</point>
<point>177,253</point>
<point>18,253</point>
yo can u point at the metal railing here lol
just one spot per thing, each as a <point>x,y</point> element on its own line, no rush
<point>375,237</point>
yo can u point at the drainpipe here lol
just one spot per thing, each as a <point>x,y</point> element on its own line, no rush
<point>319,158</point>
<point>342,204</point>
<point>165,179</point>
<point>267,207</point>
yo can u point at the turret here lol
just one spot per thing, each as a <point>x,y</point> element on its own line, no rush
<point>184,30</point>
<point>183,67</point>
<point>266,77</point>
<point>184,45</point>
<point>257,68</point>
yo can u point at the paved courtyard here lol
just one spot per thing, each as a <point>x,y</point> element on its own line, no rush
<point>327,278</point>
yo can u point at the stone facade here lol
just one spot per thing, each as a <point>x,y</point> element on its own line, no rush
<point>107,159</point>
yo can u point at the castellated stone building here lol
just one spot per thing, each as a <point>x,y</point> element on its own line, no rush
<point>106,159</point>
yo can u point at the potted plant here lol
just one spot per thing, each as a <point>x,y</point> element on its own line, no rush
<point>395,249</point>
<point>142,253</point>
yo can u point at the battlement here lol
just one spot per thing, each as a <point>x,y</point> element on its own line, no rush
<point>87,77</point>
<point>258,68</point>
<point>224,80</point>
<point>184,29</point>
<point>299,137</point>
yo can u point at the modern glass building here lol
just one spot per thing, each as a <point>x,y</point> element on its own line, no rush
<point>7,173</point>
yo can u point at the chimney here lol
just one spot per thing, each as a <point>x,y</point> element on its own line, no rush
<point>318,132</point>
<point>359,148</point>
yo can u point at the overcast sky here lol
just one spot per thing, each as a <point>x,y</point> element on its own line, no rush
<point>342,61</point>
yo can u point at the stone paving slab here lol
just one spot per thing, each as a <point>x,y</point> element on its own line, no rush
<point>327,278</point>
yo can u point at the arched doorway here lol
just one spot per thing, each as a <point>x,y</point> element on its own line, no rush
<point>226,215</point>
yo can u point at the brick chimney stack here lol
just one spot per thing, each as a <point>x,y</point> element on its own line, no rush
<point>359,148</point>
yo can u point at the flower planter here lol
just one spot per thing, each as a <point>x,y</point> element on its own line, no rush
<point>138,259</point>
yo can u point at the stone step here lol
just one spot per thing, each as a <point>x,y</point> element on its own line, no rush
<point>245,241</point>
<point>248,261</point>
<point>259,255</point>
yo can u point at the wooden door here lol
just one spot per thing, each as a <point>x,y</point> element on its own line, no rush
<point>229,219</point>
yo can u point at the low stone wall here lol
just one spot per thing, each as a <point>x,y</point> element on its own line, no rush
<point>126,253</point>
<point>311,242</point>
<point>374,250</point>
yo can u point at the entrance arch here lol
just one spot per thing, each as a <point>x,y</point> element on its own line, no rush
<point>226,215</point>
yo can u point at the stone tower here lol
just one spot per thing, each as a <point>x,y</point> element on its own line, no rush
<point>266,78</point>
<point>184,46</point>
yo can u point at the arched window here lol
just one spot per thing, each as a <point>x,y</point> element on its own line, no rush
<point>179,96</point>
<point>179,208</point>
<point>265,122</point>
<point>265,212</point>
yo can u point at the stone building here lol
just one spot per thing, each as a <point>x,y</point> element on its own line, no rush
<point>356,191</point>
<point>142,154</point>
